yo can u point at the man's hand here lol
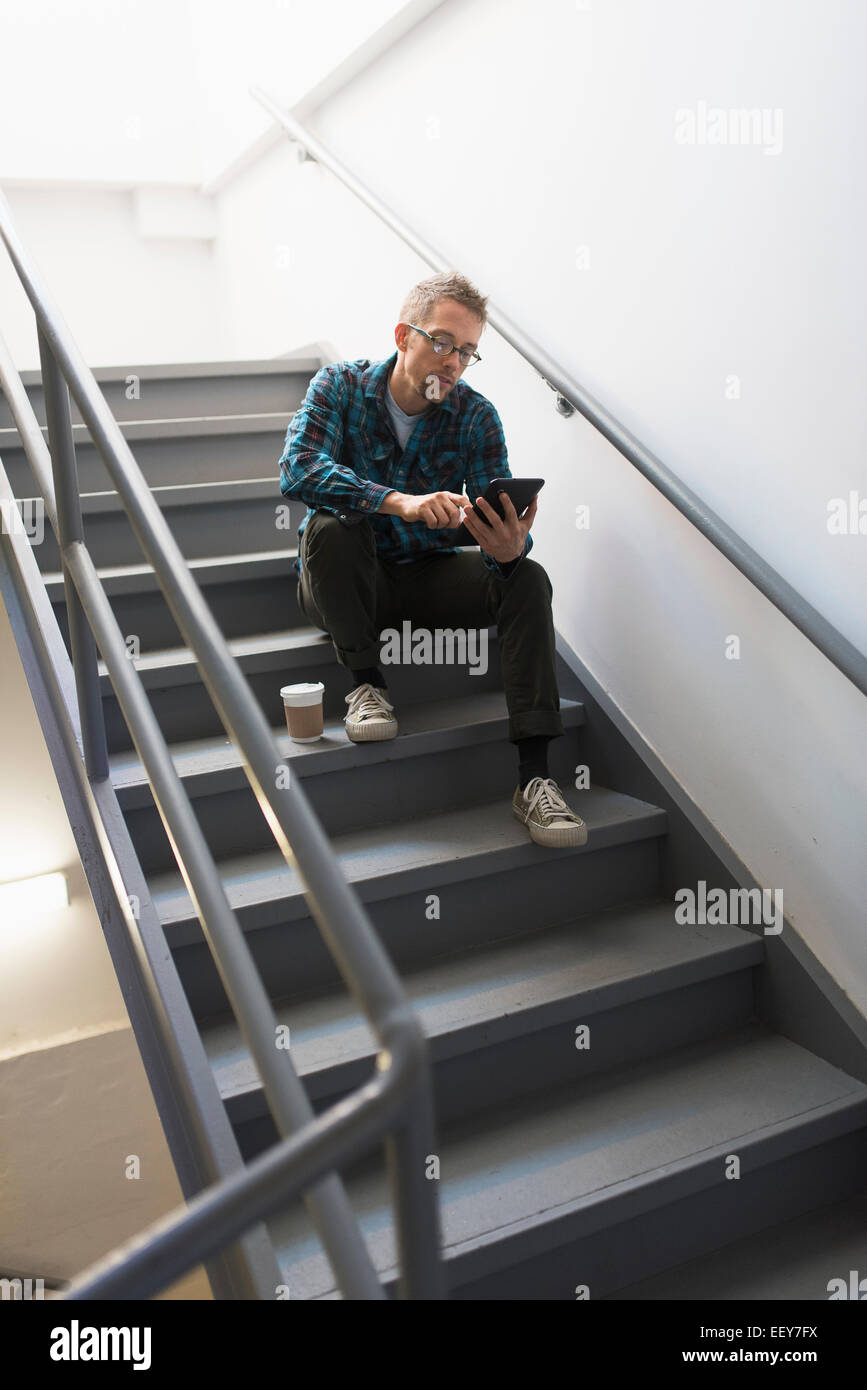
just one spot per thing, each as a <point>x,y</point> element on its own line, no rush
<point>502,540</point>
<point>433,508</point>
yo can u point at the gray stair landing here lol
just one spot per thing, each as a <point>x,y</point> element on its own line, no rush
<point>605,1153</point>
<point>451,846</point>
<point>175,390</point>
<point>795,1259</point>
<point>170,452</point>
<point>490,879</point>
<point>234,586</point>
<point>421,768</point>
<point>205,519</point>
<point>269,660</point>
<point>429,726</point>
<point>544,982</point>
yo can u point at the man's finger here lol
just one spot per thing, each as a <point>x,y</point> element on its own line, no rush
<point>480,533</point>
<point>488,509</point>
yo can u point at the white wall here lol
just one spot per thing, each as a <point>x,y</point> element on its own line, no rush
<point>157,89</point>
<point>72,1118</point>
<point>126,298</point>
<point>57,982</point>
<point>74,1097</point>
<point>536,146</point>
<point>110,104</point>
<point>299,260</point>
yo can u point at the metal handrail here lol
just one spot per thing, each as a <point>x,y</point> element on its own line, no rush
<point>398,1106</point>
<point>572,396</point>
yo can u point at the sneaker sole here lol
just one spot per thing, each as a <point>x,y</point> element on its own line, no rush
<point>373,732</point>
<point>554,837</point>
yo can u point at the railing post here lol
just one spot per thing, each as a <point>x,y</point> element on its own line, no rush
<point>82,644</point>
<point>410,1150</point>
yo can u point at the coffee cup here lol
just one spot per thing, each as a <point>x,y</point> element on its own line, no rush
<point>303,707</point>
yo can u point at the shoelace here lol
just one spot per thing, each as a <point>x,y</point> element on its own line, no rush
<point>366,701</point>
<point>549,800</point>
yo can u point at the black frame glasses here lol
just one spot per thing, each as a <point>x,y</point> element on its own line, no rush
<point>444,347</point>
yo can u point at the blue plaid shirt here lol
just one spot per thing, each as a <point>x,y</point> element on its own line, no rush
<point>341,454</point>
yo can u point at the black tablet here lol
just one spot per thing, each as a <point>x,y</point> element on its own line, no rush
<point>521,492</point>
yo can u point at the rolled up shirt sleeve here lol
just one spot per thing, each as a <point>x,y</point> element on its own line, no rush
<point>488,460</point>
<point>310,467</point>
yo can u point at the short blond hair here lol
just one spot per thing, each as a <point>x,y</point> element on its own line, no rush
<point>420,303</point>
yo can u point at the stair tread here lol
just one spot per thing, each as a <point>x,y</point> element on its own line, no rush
<point>140,578</point>
<point>256,652</point>
<point>793,1259</point>
<point>183,494</point>
<point>620,954</point>
<point>532,1161</point>
<point>154,371</point>
<point>175,427</point>
<point>463,840</point>
<point>255,644</point>
<point>458,718</point>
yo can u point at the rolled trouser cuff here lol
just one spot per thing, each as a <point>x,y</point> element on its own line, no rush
<point>358,660</point>
<point>535,722</point>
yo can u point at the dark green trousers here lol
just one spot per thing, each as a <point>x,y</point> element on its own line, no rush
<point>353,594</point>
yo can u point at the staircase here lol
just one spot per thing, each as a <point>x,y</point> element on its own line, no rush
<point>571,1163</point>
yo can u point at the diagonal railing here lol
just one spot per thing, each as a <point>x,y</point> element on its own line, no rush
<point>572,396</point>
<point>397,1104</point>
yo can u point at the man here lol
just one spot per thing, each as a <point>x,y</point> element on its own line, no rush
<point>380,453</point>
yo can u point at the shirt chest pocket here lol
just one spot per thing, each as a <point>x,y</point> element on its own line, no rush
<point>376,458</point>
<point>439,470</point>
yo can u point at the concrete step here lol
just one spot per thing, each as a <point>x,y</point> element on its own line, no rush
<point>225,448</point>
<point>595,1184</point>
<point>441,745</point>
<point>796,1259</point>
<point>183,389</point>
<point>500,1017</point>
<point>488,879</point>
<point>205,518</point>
<point>271,660</point>
<point>234,586</point>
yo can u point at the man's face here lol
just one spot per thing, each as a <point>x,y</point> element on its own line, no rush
<point>432,376</point>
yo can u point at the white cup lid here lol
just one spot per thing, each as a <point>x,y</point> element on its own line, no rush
<point>307,693</point>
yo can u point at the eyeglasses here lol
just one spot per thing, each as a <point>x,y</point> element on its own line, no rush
<point>444,347</point>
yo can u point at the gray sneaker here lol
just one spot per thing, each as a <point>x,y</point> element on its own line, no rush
<point>542,808</point>
<point>370,715</point>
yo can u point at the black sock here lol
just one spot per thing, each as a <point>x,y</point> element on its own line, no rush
<point>371,674</point>
<point>533,758</point>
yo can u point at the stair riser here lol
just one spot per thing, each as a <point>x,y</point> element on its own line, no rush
<point>201,530</point>
<point>147,617</point>
<point>377,793</point>
<point>171,398</point>
<point>498,1069</point>
<point>542,1265</point>
<point>184,710</point>
<point>557,887</point>
<point>212,458</point>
